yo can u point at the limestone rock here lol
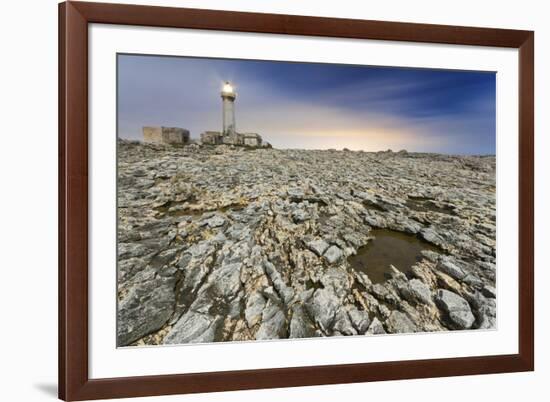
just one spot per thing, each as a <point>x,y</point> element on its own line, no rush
<point>322,307</point>
<point>337,281</point>
<point>376,327</point>
<point>360,320</point>
<point>430,235</point>
<point>215,221</point>
<point>254,307</point>
<point>218,244</point>
<point>451,269</point>
<point>273,324</point>
<point>318,246</point>
<point>300,324</point>
<point>287,293</point>
<point>342,323</point>
<point>195,327</point>
<point>399,323</point>
<point>333,254</point>
<point>416,291</point>
<point>458,309</point>
<point>145,309</point>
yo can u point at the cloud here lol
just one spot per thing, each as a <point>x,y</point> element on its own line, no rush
<point>397,109</point>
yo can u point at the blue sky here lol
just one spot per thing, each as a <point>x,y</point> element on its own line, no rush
<point>311,105</point>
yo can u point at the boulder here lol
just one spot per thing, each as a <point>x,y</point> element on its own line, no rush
<point>333,254</point>
<point>194,327</point>
<point>300,324</point>
<point>376,327</point>
<point>145,309</point>
<point>360,319</point>
<point>450,268</point>
<point>398,322</point>
<point>322,307</point>
<point>342,323</point>
<point>430,235</point>
<point>336,280</point>
<point>416,291</point>
<point>457,308</point>
<point>318,246</point>
<point>214,221</point>
<point>273,325</point>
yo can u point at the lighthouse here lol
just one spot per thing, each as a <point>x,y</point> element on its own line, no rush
<point>229,134</point>
<point>228,109</point>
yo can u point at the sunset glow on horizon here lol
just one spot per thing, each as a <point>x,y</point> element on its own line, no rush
<point>312,105</point>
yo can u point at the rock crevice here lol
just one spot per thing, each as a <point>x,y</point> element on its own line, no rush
<point>222,244</point>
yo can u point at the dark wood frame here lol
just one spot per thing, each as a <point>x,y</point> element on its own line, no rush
<point>74,383</point>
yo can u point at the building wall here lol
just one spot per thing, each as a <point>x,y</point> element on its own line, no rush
<point>152,134</point>
<point>211,137</point>
<point>166,135</point>
<point>233,139</point>
<point>252,140</point>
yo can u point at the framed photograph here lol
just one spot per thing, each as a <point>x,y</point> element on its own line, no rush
<point>259,200</point>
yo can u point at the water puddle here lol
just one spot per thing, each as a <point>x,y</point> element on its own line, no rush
<point>389,247</point>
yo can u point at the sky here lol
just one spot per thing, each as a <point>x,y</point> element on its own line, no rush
<point>313,105</point>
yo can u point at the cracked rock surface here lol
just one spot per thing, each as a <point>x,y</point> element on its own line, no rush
<point>233,244</point>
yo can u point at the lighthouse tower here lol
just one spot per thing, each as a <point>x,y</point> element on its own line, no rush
<point>229,134</point>
<point>228,107</point>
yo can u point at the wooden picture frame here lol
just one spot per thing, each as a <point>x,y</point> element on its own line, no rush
<point>74,381</point>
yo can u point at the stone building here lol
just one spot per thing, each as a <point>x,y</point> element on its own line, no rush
<point>238,139</point>
<point>252,139</point>
<point>166,135</point>
<point>233,139</point>
<point>212,138</point>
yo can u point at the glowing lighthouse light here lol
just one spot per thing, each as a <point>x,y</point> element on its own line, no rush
<point>228,108</point>
<point>227,87</point>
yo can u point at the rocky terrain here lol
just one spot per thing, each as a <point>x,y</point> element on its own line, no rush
<point>231,244</point>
